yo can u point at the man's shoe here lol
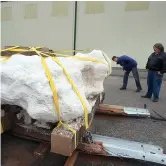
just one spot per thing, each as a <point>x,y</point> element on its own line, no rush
<point>146,97</point>
<point>155,100</point>
<point>139,89</point>
<point>122,88</point>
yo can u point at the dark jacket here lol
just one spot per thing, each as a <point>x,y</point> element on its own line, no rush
<point>127,62</point>
<point>157,62</point>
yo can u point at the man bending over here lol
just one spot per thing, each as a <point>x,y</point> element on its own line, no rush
<point>128,65</point>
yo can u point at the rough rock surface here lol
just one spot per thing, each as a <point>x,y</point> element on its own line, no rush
<point>24,83</point>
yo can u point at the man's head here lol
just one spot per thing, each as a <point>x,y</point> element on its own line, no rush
<point>115,59</point>
<point>158,47</point>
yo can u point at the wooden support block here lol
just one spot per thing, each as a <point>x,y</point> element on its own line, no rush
<point>72,159</point>
<point>94,148</point>
<point>31,132</point>
<point>110,109</point>
<point>63,140</point>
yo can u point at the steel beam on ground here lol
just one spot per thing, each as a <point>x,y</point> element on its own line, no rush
<point>131,149</point>
<point>125,111</point>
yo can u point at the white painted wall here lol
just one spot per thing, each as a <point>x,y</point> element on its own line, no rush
<point>117,32</point>
<point>52,32</point>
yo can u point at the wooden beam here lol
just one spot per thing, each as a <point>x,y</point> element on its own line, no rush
<point>72,159</point>
<point>31,132</point>
<point>63,140</point>
<point>110,109</point>
<point>94,148</point>
<point>124,111</point>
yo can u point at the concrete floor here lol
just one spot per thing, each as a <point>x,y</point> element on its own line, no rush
<point>88,160</point>
<point>20,152</point>
<point>117,71</point>
<point>143,130</point>
<point>131,98</point>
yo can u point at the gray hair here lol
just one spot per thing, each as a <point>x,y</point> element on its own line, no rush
<point>159,46</point>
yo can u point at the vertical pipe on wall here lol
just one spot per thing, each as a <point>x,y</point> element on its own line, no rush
<point>75,26</point>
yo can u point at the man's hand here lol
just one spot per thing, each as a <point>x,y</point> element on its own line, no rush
<point>159,73</point>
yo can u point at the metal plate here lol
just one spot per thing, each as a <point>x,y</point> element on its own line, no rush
<point>136,111</point>
<point>131,149</point>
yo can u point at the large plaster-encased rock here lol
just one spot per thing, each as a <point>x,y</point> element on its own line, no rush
<point>24,83</point>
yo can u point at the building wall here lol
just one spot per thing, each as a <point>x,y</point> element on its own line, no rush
<point>117,28</point>
<point>38,24</point>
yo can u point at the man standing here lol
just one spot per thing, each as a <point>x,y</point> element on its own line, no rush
<point>156,67</point>
<point>128,65</point>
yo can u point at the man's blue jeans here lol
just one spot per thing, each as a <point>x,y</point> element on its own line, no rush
<point>154,82</point>
<point>135,75</point>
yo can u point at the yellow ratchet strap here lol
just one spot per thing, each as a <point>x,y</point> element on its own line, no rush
<point>55,96</point>
<point>4,58</point>
<point>19,50</point>
<point>24,50</point>
<point>75,89</point>
<point>72,50</point>
<point>10,48</point>
<point>81,58</point>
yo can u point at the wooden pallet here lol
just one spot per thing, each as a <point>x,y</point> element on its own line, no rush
<point>60,143</point>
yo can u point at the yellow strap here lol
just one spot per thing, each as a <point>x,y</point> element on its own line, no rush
<point>7,57</point>
<point>52,85</point>
<point>71,50</point>
<point>87,59</point>
<point>10,48</point>
<point>4,58</point>
<point>76,91</point>
<point>16,49</point>
<point>75,57</point>
<point>55,96</point>
<point>80,58</point>
<point>39,47</point>
<point>2,129</point>
<point>72,130</point>
<point>20,50</point>
<point>83,58</point>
